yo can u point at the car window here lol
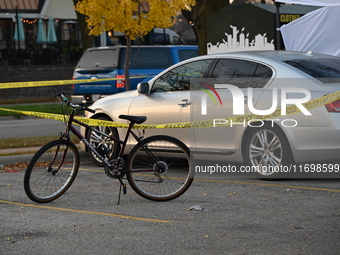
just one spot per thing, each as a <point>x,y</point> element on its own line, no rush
<point>179,77</point>
<point>161,38</point>
<point>146,58</point>
<point>261,76</point>
<point>241,73</point>
<point>325,70</point>
<point>177,40</point>
<point>99,59</point>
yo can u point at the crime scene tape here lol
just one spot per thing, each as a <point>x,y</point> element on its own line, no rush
<point>292,109</point>
<point>12,85</point>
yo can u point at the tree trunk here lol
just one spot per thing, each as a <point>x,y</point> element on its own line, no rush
<point>200,13</point>
<point>87,40</point>
<point>127,63</point>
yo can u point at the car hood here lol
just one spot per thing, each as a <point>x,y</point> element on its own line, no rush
<point>123,95</point>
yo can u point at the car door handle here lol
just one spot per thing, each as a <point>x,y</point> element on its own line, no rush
<point>185,102</point>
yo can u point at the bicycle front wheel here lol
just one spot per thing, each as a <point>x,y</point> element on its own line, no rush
<point>163,175</point>
<point>51,171</point>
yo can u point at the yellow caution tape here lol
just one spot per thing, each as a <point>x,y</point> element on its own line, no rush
<point>60,117</point>
<point>312,104</point>
<point>12,85</point>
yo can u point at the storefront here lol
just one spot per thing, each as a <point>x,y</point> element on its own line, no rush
<point>37,31</point>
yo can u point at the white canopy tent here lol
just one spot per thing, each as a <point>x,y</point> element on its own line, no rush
<point>312,2</point>
<point>317,31</point>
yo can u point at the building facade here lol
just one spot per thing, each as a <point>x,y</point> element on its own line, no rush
<point>38,32</point>
<point>27,28</point>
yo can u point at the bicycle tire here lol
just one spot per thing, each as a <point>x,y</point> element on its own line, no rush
<point>173,155</point>
<point>41,183</point>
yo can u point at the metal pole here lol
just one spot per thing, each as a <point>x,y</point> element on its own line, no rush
<point>278,25</point>
<point>164,36</point>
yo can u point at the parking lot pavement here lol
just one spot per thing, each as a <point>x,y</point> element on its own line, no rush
<point>242,216</point>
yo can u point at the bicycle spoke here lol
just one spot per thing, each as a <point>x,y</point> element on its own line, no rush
<point>164,179</point>
<point>51,171</point>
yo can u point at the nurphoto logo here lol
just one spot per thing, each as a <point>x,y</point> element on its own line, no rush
<point>239,99</point>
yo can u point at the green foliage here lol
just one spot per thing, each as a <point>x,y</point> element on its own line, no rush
<point>10,143</point>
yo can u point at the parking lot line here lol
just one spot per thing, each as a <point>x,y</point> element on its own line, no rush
<point>84,211</point>
<point>269,184</point>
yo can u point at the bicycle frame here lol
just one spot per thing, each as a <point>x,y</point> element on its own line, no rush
<point>123,143</point>
<point>54,167</point>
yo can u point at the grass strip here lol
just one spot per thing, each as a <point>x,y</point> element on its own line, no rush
<point>25,142</point>
<point>50,108</point>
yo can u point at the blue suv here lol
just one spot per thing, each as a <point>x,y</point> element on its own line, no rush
<point>108,62</point>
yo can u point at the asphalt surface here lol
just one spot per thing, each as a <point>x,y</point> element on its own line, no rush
<point>229,216</point>
<point>17,128</point>
<point>239,216</point>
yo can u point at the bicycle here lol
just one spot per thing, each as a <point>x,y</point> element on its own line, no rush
<point>157,168</point>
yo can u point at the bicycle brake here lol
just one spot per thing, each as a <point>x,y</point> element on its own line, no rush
<point>63,135</point>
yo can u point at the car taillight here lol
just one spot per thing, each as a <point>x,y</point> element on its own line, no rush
<point>120,82</point>
<point>334,106</point>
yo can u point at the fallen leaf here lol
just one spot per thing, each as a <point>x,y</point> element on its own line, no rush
<point>297,227</point>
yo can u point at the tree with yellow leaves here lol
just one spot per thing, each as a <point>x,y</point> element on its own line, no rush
<point>134,18</point>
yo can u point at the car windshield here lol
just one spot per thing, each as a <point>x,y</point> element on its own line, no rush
<point>327,70</point>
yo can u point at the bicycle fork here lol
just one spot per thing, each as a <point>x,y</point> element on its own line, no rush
<point>50,168</point>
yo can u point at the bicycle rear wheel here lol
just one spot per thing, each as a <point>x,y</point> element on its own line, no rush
<point>164,178</point>
<point>51,171</point>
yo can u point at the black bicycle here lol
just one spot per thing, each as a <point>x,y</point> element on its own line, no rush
<point>157,167</point>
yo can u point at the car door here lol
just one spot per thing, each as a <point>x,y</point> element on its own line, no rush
<point>170,99</point>
<point>242,74</point>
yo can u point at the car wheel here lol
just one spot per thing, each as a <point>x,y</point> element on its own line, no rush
<point>267,151</point>
<point>97,140</point>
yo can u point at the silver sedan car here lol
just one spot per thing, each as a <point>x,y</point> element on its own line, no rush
<point>241,104</point>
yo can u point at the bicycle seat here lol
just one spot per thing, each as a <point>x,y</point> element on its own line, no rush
<point>133,119</point>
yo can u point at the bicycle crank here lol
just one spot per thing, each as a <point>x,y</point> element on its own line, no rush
<point>115,172</point>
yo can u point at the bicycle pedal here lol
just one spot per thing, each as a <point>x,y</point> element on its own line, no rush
<point>124,189</point>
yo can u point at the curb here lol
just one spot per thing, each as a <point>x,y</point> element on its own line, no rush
<point>6,160</point>
<point>29,150</point>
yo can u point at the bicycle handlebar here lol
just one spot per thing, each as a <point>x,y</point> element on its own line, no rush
<point>74,106</point>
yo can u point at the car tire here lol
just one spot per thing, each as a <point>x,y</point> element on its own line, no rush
<point>97,140</point>
<point>267,152</point>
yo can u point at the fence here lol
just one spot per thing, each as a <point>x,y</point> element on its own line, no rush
<point>34,73</point>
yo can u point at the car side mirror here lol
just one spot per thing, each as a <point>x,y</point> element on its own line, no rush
<point>143,88</point>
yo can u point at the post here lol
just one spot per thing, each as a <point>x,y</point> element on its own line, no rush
<point>278,24</point>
